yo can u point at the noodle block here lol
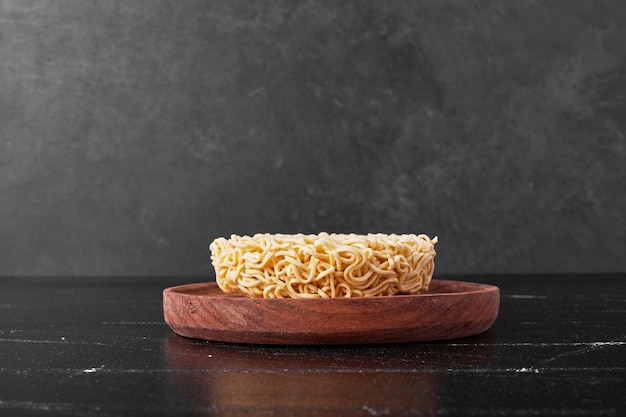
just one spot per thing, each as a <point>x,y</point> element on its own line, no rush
<point>323,265</point>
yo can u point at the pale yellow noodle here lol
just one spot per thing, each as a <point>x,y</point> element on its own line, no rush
<point>323,265</point>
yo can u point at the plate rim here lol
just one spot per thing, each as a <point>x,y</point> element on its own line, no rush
<point>479,288</point>
<point>210,316</point>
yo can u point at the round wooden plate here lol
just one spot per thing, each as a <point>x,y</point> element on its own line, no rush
<point>448,310</point>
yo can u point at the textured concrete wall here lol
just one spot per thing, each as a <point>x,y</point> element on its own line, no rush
<point>133,133</point>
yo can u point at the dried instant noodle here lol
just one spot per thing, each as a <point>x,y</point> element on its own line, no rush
<point>323,265</point>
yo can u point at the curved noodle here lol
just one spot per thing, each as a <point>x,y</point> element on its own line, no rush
<point>323,265</point>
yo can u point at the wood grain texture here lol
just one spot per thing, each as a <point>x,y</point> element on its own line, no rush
<point>93,347</point>
<point>450,309</point>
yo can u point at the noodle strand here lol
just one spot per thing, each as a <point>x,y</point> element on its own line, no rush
<point>323,265</point>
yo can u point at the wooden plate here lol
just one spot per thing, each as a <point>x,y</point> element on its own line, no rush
<point>448,310</point>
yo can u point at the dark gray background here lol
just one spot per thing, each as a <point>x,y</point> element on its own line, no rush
<point>132,133</point>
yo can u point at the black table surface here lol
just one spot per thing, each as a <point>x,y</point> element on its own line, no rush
<point>81,347</point>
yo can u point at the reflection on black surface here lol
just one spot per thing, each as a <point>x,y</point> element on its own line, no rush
<point>230,377</point>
